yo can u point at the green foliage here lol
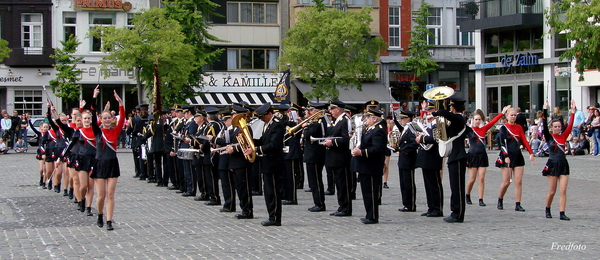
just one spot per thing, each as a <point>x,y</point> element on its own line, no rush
<point>331,49</point>
<point>194,17</point>
<point>153,39</point>
<point>64,85</point>
<point>4,50</point>
<point>579,21</point>
<point>419,62</point>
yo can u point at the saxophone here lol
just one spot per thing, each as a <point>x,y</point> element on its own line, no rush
<point>244,137</point>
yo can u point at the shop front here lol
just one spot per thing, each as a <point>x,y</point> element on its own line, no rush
<point>26,90</point>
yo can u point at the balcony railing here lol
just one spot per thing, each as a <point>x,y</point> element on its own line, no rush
<point>482,9</point>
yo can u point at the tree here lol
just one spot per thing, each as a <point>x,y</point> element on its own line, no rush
<point>4,50</point>
<point>331,49</point>
<point>64,85</point>
<point>578,21</point>
<point>153,39</point>
<point>194,16</point>
<point>419,62</point>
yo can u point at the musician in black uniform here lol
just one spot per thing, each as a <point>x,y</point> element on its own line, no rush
<point>407,161</point>
<point>430,162</point>
<point>297,162</point>
<point>135,130</point>
<point>240,168</point>
<point>175,130</point>
<point>369,160</point>
<point>457,160</point>
<point>351,112</point>
<point>314,155</point>
<point>270,148</point>
<point>147,145</point>
<point>254,167</point>
<point>210,166</point>
<point>198,161</point>
<point>189,129</point>
<point>292,155</point>
<point>330,191</point>
<point>338,157</point>
<point>223,139</point>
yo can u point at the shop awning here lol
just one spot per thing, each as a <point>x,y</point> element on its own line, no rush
<point>370,91</point>
<point>219,99</point>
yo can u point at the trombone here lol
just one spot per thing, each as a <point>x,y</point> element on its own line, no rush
<point>322,140</point>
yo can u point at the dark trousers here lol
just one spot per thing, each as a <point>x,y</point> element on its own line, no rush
<point>255,181</point>
<point>433,190</point>
<point>189,177</point>
<point>273,190</point>
<point>289,184</point>
<point>299,173</point>
<point>199,179</point>
<point>151,173</point>
<point>456,173</point>
<point>354,181</point>
<point>370,185</point>
<point>344,186</point>
<point>228,185</point>
<point>143,168</point>
<point>169,169</point>
<point>211,181</point>
<point>158,166</point>
<point>330,180</point>
<point>180,174</point>
<point>407,188</point>
<point>136,160</point>
<point>242,185</point>
<point>314,173</point>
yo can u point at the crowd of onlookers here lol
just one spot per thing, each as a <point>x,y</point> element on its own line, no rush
<point>13,131</point>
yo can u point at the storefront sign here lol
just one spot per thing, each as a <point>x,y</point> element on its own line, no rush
<point>232,82</point>
<point>562,71</point>
<point>485,66</point>
<point>92,74</point>
<point>519,59</point>
<point>102,5</point>
<point>11,79</point>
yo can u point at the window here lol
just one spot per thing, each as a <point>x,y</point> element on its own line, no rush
<point>31,33</point>
<point>257,13</point>
<point>29,101</point>
<point>434,24</point>
<point>69,24</point>
<point>100,19</point>
<point>360,2</point>
<point>251,59</point>
<point>394,27</point>
<point>462,38</point>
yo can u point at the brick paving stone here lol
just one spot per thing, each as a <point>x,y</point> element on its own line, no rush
<point>154,223</point>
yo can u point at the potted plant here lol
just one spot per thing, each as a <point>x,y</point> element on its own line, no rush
<point>472,8</point>
<point>528,4</point>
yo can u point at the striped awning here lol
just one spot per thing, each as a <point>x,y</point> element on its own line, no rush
<point>217,99</point>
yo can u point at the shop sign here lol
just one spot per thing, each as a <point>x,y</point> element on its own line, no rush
<point>102,5</point>
<point>562,71</point>
<point>520,59</point>
<point>233,81</point>
<point>11,79</point>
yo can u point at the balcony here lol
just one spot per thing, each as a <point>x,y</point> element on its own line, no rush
<point>500,14</point>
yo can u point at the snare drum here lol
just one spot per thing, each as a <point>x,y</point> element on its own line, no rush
<point>187,154</point>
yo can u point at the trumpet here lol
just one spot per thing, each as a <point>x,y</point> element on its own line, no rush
<point>221,149</point>
<point>291,131</point>
<point>322,140</point>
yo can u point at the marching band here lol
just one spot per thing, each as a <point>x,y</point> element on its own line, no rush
<point>243,147</point>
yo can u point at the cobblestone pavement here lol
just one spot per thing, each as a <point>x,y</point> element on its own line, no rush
<point>154,223</point>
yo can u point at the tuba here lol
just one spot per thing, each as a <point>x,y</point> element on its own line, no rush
<point>438,94</point>
<point>394,139</point>
<point>244,137</point>
<point>358,125</point>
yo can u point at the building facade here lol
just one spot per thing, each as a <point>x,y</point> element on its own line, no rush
<point>516,62</point>
<point>452,49</point>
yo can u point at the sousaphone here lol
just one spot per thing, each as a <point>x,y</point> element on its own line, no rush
<point>438,94</point>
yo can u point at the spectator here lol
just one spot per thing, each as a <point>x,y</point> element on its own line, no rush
<point>3,149</point>
<point>557,115</point>
<point>596,132</point>
<point>535,143</point>
<point>578,123</point>
<point>576,146</point>
<point>585,144</point>
<point>6,123</point>
<point>20,146</point>
<point>16,120</point>
<point>23,124</point>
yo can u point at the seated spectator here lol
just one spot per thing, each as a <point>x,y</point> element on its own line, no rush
<point>585,143</point>
<point>576,146</point>
<point>20,146</point>
<point>543,151</point>
<point>3,149</point>
<point>535,142</point>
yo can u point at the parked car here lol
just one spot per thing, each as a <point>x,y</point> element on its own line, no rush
<point>36,122</point>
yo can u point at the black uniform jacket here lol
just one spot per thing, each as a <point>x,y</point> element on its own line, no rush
<point>407,158</point>
<point>457,124</point>
<point>270,146</point>
<point>373,145</point>
<point>429,159</point>
<point>338,155</point>
<point>313,151</point>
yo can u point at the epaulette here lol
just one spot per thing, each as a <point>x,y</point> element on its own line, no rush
<point>276,119</point>
<point>380,126</point>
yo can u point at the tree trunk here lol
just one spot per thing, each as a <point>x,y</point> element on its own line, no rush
<point>138,86</point>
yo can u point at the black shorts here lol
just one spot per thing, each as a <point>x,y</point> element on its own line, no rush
<point>105,169</point>
<point>476,160</point>
<point>70,160</point>
<point>39,154</point>
<point>556,168</point>
<point>50,155</point>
